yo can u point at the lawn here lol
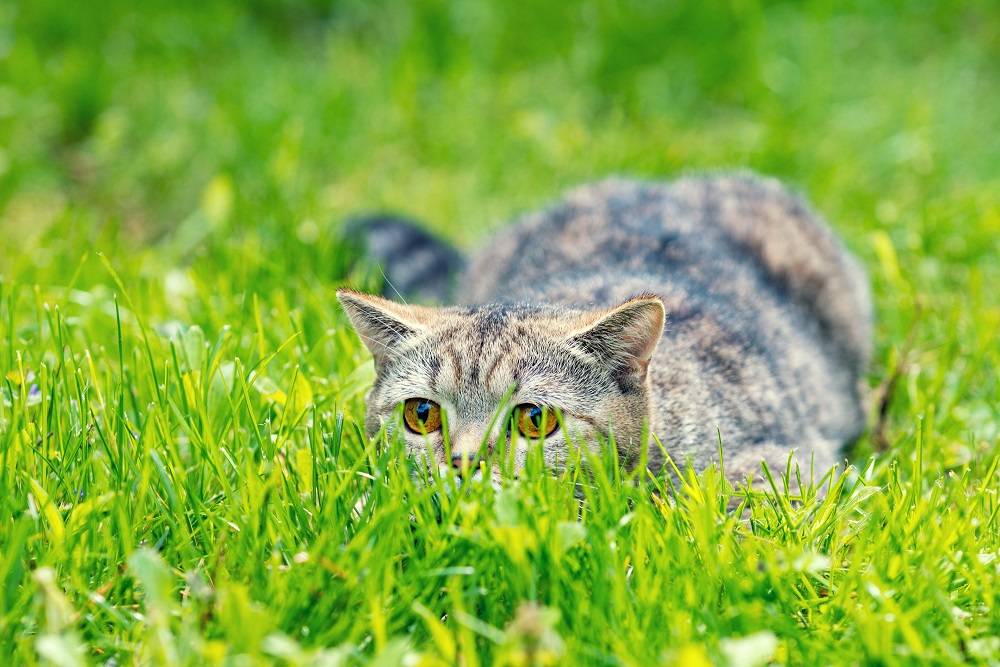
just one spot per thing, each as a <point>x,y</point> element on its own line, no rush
<point>181,461</point>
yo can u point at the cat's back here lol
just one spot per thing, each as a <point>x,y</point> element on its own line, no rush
<point>768,316</point>
<point>729,237</point>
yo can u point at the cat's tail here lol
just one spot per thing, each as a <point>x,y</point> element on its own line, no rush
<point>415,264</point>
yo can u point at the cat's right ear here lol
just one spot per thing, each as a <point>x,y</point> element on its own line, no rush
<point>383,325</point>
<point>624,337</point>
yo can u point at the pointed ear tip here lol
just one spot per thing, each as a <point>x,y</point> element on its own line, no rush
<point>346,297</point>
<point>351,295</point>
<point>655,311</point>
<point>646,297</point>
<point>648,300</point>
<point>352,301</point>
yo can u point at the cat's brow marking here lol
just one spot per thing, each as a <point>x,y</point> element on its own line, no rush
<point>487,379</point>
<point>456,364</point>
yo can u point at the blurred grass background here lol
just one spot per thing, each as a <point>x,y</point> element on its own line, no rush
<point>464,112</point>
<point>204,154</point>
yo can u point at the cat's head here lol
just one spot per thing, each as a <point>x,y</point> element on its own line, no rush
<point>497,374</point>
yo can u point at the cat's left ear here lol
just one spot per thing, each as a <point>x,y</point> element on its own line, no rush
<point>624,336</point>
<point>383,325</point>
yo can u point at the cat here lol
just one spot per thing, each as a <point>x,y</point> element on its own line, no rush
<point>713,306</point>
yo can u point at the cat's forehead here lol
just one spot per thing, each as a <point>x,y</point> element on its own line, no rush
<point>503,320</point>
<point>480,338</point>
<point>479,354</point>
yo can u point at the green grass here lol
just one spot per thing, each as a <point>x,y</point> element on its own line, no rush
<point>180,397</point>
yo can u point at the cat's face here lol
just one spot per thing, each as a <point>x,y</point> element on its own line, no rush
<point>493,377</point>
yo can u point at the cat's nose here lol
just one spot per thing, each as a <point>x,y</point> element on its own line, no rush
<point>465,450</point>
<point>458,461</point>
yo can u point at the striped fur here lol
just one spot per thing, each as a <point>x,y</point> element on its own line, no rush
<point>767,336</point>
<point>413,261</point>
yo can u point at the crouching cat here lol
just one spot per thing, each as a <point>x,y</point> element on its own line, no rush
<point>707,306</point>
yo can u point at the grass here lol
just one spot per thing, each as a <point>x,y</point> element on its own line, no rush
<point>180,454</point>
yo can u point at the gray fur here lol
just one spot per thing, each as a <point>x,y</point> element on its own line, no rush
<point>414,262</point>
<point>767,336</point>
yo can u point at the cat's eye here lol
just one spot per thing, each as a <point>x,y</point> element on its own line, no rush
<point>535,421</point>
<point>422,415</point>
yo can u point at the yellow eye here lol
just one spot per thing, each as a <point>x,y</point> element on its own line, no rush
<point>422,415</point>
<point>534,421</point>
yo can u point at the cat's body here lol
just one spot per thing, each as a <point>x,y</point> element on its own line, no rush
<point>767,336</point>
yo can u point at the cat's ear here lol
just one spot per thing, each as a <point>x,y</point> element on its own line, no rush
<point>625,336</point>
<point>382,324</point>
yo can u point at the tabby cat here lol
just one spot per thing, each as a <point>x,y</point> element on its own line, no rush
<point>707,307</point>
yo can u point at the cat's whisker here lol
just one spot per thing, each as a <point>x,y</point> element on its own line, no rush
<point>388,282</point>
